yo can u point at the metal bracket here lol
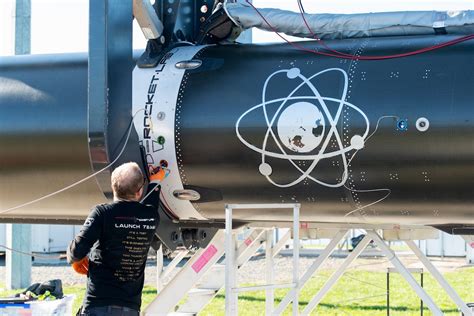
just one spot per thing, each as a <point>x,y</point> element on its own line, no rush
<point>147,18</point>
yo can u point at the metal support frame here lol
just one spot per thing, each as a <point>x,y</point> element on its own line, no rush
<point>202,276</point>
<point>186,278</point>
<point>237,255</point>
<point>392,257</point>
<point>411,270</point>
<point>269,275</point>
<point>231,289</point>
<point>159,268</point>
<point>18,236</point>
<point>110,66</point>
<point>439,278</point>
<point>336,275</point>
<point>162,272</point>
<point>312,269</point>
<point>399,266</point>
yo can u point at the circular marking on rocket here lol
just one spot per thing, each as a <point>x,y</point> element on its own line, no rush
<point>301,127</point>
<point>293,73</point>
<point>422,124</point>
<point>357,142</point>
<point>305,127</point>
<point>161,116</point>
<point>265,169</point>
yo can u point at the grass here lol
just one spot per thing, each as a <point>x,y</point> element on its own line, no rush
<point>369,287</point>
<point>357,293</point>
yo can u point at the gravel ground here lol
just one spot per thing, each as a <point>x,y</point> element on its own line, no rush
<point>253,271</point>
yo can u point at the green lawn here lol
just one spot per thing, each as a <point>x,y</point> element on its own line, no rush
<point>356,293</point>
<point>344,297</point>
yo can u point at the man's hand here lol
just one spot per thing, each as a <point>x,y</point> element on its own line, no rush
<point>158,174</point>
<point>82,266</point>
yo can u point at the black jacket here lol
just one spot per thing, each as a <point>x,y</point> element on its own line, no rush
<point>118,237</point>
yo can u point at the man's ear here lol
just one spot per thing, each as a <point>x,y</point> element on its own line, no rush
<point>139,194</point>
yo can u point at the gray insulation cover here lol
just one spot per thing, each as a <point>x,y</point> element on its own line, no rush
<point>338,26</point>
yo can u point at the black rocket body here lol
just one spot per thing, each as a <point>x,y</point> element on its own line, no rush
<point>354,141</point>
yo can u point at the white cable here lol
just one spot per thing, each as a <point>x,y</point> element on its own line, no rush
<point>31,254</point>
<point>80,181</point>
<point>151,191</point>
<point>371,190</point>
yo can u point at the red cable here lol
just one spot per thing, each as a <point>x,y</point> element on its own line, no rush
<point>338,54</point>
<point>300,6</point>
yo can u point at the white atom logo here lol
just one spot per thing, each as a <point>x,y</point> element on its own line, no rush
<point>301,128</point>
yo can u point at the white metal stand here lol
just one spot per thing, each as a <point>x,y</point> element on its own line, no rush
<point>269,275</point>
<point>312,269</point>
<point>164,273</point>
<point>159,269</point>
<point>372,235</point>
<point>18,236</point>
<point>405,273</point>
<point>231,289</point>
<point>197,266</point>
<point>437,275</point>
<point>202,276</point>
<point>336,275</point>
<point>18,265</point>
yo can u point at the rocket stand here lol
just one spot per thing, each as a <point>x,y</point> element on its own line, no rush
<point>204,274</point>
<point>231,266</point>
<point>232,291</point>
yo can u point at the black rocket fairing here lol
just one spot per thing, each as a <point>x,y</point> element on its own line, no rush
<point>386,141</point>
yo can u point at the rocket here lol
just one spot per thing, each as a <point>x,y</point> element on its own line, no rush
<point>353,141</point>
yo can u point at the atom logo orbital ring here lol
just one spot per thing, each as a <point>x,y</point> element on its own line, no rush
<point>302,128</point>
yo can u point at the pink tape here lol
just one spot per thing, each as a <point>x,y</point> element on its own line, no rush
<point>472,244</point>
<point>204,258</point>
<point>304,225</point>
<point>248,241</point>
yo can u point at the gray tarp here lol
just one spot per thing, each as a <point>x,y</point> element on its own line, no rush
<point>336,26</point>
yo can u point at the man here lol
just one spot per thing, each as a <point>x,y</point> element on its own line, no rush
<point>118,236</point>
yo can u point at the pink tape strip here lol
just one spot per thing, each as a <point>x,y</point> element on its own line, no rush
<point>204,258</point>
<point>248,241</point>
<point>472,244</point>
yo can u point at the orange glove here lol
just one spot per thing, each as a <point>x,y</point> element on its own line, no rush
<point>158,174</point>
<point>81,266</point>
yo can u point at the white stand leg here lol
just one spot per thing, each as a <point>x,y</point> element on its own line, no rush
<point>230,263</point>
<point>405,273</point>
<point>444,284</point>
<point>336,275</point>
<point>312,269</point>
<point>159,269</point>
<point>270,277</point>
<point>296,258</point>
<point>18,266</point>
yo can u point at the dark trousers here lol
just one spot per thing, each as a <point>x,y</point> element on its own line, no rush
<point>110,311</point>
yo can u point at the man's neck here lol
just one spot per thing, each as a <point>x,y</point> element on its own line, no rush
<point>117,199</point>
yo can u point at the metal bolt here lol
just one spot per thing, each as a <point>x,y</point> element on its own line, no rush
<point>161,116</point>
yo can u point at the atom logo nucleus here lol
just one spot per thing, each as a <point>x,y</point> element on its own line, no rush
<point>305,126</point>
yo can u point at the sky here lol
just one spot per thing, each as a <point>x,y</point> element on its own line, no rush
<point>61,26</point>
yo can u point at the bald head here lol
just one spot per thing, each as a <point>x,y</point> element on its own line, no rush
<point>127,180</point>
